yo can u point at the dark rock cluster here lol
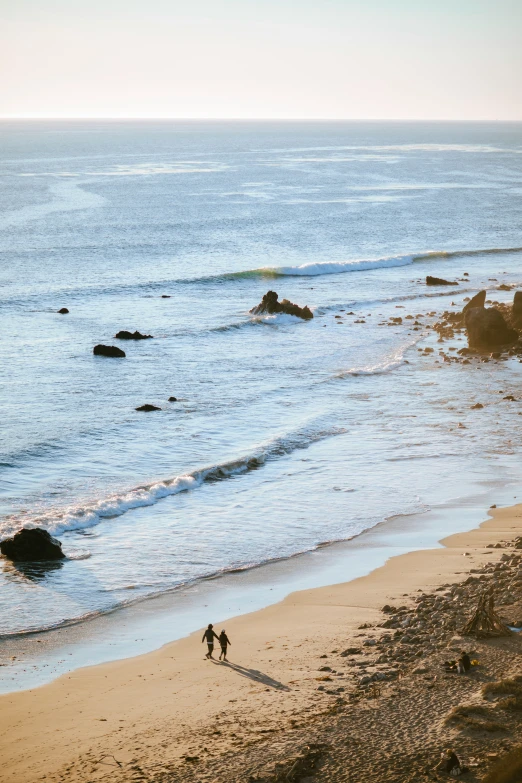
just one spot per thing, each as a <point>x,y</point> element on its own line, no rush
<point>486,327</point>
<point>270,305</point>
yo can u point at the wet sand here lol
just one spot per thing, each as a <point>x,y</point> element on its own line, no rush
<point>141,718</point>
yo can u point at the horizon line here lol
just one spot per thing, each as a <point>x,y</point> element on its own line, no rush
<point>248,119</point>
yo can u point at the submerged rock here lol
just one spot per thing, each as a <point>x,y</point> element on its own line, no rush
<point>486,327</point>
<point>124,335</point>
<point>439,281</point>
<point>108,350</point>
<point>479,300</point>
<point>270,305</point>
<point>63,311</point>
<point>32,544</point>
<point>148,407</point>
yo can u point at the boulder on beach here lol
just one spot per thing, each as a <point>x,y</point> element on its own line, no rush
<point>479,300</point>
<point>108,350</point>
<point>124,335</point>
<point>63,311</point>
<point>32,544</point>
<point>486,328</point>
<point>270,305</point>
<point>148,407</point>
<point>439,281</point>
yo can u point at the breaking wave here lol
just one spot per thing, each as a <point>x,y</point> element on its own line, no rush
<point>336,267</point>
<point>386,365</point>
<point>311,269</point>
<point>58,521</point>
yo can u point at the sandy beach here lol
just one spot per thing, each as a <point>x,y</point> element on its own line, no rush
<point>172,715</point>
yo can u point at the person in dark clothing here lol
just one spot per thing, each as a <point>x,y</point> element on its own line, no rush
<point>450,763</point>
<point>465,662</point>
<point>210,635</point>
<point>224,641</point>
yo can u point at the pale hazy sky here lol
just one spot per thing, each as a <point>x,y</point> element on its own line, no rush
<point>401,59</point>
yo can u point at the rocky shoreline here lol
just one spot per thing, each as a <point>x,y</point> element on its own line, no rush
<point>398,707</point>
<point>333,685</point>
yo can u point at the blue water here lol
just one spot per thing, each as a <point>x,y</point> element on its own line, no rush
<point>286,434</point>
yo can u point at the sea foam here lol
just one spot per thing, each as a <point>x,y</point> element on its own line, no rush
<point>81,517</point>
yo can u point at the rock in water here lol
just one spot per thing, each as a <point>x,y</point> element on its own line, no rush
<point>148,407</point>
<point>479,300</point>
<point>108,350</point>
<point>173,399</point>
<point>32,544</point>
<point>124,335</point>
<point>63,311</point>
<point>486,328</point>
<point>439,281</point>
<point>270,305</point>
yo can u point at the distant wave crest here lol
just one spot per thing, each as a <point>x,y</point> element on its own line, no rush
<point>314,269</point>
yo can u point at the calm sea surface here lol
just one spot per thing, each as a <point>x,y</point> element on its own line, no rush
<point>285,434</point>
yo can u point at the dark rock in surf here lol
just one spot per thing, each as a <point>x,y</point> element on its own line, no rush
<point>486,328</point>
<point>270,305</point>
<point>108,350</point>
<point>124,335</point>
<point>439,281</point>
<point>63,311</point>
<point>32,544</point>
<point>165,296</point>
<point>148,407</point>
<point>173,399</point>
<point>479,300</point>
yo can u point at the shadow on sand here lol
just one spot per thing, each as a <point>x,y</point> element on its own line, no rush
<point>254,674</point>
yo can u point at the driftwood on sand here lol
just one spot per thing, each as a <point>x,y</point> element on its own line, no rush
<point>485,621</point>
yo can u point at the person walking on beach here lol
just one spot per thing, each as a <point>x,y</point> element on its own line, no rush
<point>210,635</point>
<point>224,641</point>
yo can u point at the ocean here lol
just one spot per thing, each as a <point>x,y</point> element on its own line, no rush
<point>285,435</point>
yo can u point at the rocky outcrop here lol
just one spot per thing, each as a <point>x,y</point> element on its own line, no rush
<point>30,545</point>
<point>270,305</point>
<point>516,310</point>
<point>63,311</point>
<point>439,281</point>
<point>479,300</point>
<point>124,335</point>
<point>148,407</point>
<point>487,328</point>
<point>108,350</point>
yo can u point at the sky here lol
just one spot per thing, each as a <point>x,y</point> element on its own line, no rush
<point>256,59</point>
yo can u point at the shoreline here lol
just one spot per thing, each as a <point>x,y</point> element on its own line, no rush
<point>148,624</point>
<point>149,710</point>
